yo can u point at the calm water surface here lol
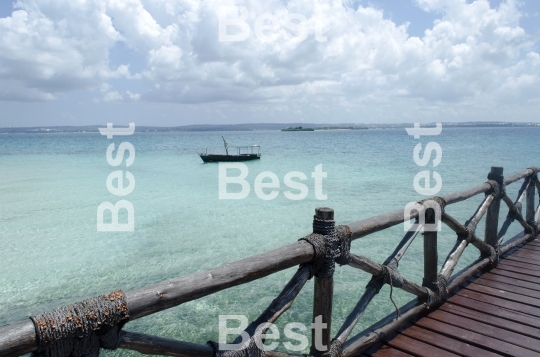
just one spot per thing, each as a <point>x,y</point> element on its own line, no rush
<point>51,185</point>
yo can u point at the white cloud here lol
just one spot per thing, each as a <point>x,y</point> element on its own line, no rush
<point>473,56</point>
<point>121,71</point>
<point>133,96</point>
<point>112,97</point>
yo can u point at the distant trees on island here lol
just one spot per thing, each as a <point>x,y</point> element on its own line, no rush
<point>299,128</point>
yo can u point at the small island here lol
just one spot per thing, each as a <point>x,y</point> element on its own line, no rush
<point>298,128</point>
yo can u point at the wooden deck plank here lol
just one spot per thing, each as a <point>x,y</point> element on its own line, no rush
<point>531,245</point>
<point>526,309</point>
<point>492,320</point>
<point>447,343</point>
<point>521,260</point>
<point>526,255</point>
<point>497,313</point>
<point>531,249</point>
<point>507,267</point>
<point>510,281</point>
<point>417,348</point>
<point>525,251</point>
<point>516,276</point>
<point>508,287</point>
<point>520,264</point>
<point>494,310</point>
<point>517,339</point>
<point>387,351</point>
<point>475,338</point>
<point>504,294</point>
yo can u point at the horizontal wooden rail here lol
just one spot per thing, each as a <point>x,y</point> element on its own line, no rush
<point>20,338</point>
<point>174,292</point>
<point>153,345</point>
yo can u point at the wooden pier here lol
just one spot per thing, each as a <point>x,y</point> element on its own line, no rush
<point>491,307</point>
<point>493,314</point>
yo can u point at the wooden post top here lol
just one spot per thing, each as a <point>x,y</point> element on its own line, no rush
<point>324,213</point>
<point>497,170</point>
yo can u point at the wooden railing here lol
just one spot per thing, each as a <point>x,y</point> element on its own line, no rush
<point>316,256</point>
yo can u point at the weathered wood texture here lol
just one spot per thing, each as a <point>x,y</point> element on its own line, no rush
<point>322,307</point>
<point>376,269</point>
<point>386,326</point>
<point>514,214</point>
<point>464,232</point>
<point>323,298</point>
<point>374,224</point>
<point>376,283</point>
<point>455,253</point>
<point>174,292</point>
<point>152,345</point>
<point>529,216</point>
<point>492,215</point>
<point>431,255</point>
<point>491,315</point>
<point>17,339</point>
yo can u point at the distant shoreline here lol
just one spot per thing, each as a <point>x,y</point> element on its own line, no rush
<point>256,127</point>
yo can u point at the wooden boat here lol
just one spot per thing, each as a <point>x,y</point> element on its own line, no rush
<point>243,153</point>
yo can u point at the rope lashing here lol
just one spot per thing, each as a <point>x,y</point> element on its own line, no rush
<point>390,275</point>
<point>498,190</point>
<point>441,202</point>
<point>534,228</point>
<point>496,181</point>
<point>344,234</point>
<point>512,214</point>
<point>326,244</point>
<point>81,329</point>
<point>497,253</point>
<point>249,349</point>
<point>318,242</point>
<point>335,349</point>
<point>393,278</point>
<point>440,290</point>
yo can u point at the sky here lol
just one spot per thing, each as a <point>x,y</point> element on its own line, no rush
<point>182,62</point>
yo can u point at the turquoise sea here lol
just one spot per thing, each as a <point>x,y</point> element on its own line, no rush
<point>51,185</point>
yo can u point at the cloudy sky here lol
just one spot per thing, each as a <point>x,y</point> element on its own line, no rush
<point>176,62</point>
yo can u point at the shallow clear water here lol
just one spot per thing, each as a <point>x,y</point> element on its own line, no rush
<point>52,184</point>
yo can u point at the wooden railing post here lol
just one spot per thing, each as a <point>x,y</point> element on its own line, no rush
<point>431,255</point>
<point>324,292</point>
<point>492,216</point>
<point>530,200</point>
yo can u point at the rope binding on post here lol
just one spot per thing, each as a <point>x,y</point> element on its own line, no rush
<point>391,276</point>
<point>335,349</point>
<point>81,329</point>
<point>496,181</point>
<point>440,289</point>
<point>249,349</point>
<point>326,244</point>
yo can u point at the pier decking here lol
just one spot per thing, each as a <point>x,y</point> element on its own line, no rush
<point>494,314</point>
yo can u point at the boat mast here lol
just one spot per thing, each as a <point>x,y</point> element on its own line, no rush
<point>226,146</point>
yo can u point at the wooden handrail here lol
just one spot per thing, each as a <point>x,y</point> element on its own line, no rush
<point>19,338</point>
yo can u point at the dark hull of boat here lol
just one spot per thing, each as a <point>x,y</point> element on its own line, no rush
<point>229,158</point>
